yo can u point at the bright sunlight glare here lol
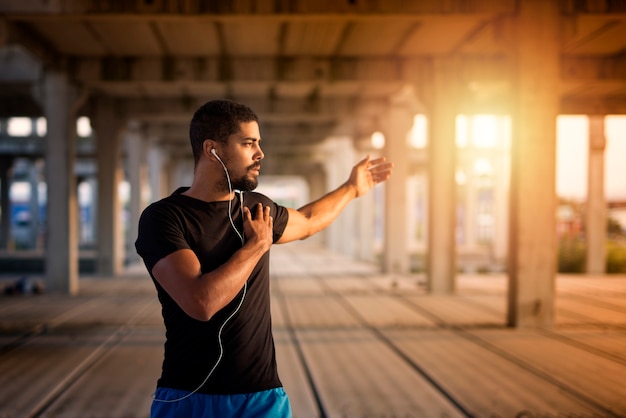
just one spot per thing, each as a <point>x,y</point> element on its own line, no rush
<point>419,132</point>
<point>23,126</point>
<point>378,140</point>
<point>484,131</point>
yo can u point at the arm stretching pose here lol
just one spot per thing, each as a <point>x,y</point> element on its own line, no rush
<point>206,248</point>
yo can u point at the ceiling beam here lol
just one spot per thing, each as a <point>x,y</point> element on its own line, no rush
<point>12,33</point>
<point>590,68</point>
<point>281,110</point>
<point>250,69</point>
<point>320,9</point>
<point>319,70</point>
<point>594,106</point>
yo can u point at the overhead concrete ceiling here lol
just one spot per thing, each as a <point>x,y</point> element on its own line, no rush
<point>310,68</point>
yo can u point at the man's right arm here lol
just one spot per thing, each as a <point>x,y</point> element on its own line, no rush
<point>202,295</point>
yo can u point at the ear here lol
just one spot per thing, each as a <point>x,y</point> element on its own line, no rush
<point>207,146</point>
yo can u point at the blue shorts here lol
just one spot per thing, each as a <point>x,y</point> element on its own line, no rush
<point>272,403</point>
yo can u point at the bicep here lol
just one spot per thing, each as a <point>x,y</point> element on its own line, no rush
<point>298,227</point>
<point>177,273</point>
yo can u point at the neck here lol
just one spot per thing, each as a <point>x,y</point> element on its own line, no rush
<point>203,193</point>
<point>205,187</point>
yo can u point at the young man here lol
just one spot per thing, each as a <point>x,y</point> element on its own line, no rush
<point>206,248</point>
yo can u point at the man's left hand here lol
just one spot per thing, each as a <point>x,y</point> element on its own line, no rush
<point>368,173</point>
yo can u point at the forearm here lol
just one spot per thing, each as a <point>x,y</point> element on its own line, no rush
<point>317,215</point>
<point>219,287</point>
<point>323,211</point>
<point>201,295</point>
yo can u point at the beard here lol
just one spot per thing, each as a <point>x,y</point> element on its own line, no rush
<point>245,184</point>
<point>242,182</point>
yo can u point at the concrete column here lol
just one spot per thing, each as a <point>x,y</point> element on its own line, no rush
<point>366,208</point>
<point>316,179</point>
<point>441,260</point>
<point>417,221</point>
<point>341,234</point>
<point>34,177</point>
<point>136,169</point>
<point>532,244</point>
<point>62,204</point>
<point>154,172</point>
<point>5,214</point>
<point>396,128</point>
<point>502,166</point>
<point>179,172</point>
<point>107,125</point>
<point>466,195</point>
<point>89,231</point>
<point>158,163</point>
<point>470,241</point>
<point>596,210</point>
<point>466,241</point>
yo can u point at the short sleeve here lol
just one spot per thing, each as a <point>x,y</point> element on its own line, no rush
<point>159,234</point>
<point>280,221</point>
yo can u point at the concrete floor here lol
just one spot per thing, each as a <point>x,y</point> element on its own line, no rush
<point>351,342</point>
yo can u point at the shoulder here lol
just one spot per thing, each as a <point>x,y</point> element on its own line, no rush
<point>250,199</point>
<point>169,210</point>
<point>254,197</point>
<point>160,207</point>
<point>161,230</point>
<point>279,212</point>
<point>168,204</point>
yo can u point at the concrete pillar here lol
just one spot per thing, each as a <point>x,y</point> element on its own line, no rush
<point>179,172</point>
<point>5,214</point>
<point>396,128</point>
<point>596,210</point>
<point>470,214</point>
<point>441,260</point>
<point>136,169</point>
<point>366,208</point>
<point>34,177</point>
<point>532,243</point>
<point>502,166</point>
<point>316,179</point>
<point>466,193</point>
<point>62,204</point>
<point>341,234</point>
<point>107,125</point>
<point>158,178</point>
<point>417,220</point>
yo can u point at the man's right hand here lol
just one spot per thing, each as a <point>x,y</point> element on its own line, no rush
<point>260,229</point>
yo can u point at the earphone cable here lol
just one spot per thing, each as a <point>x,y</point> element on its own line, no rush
<point>243,296</point>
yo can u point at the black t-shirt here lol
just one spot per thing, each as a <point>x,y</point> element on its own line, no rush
<point>248,362</point>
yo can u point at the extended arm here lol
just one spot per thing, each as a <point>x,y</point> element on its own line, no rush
<point>317,215</point>
<point>202,295</point>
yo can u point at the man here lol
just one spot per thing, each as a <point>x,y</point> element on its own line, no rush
<point>206,248</point>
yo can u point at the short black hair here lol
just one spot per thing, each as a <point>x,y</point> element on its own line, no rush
<point>217,120</point>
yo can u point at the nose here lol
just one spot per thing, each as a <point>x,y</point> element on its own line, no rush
<point>259,153</point>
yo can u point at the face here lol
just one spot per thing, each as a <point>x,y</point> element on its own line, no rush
<point>242,156</point>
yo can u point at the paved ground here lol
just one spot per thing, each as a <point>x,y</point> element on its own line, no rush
<point>350,343</point>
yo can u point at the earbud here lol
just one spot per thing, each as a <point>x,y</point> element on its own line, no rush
<point>218,158</point>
